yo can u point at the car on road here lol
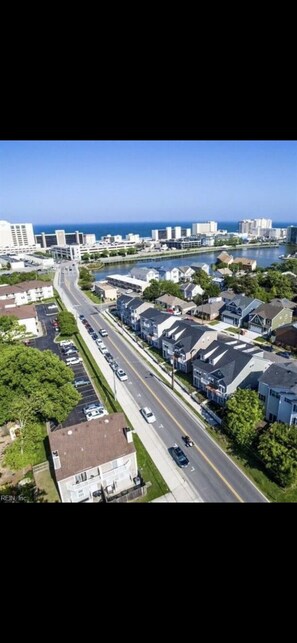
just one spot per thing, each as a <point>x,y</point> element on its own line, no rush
<point>114,365</point>
<point>109,357</point>
<point>147,413</point>
<point>102,348</point>
<point>81,382</point>
<point>94,415</point>
<point>122,375</point>
<point>81,316</point>
<point>179,456</point>
<point>286,354</point>
<point>99,342</point>
<point>103,332</point>
<point>73,360</point>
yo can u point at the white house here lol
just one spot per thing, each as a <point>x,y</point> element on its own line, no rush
<point>27,291</point>
<point>169,274</point>
<point>191,290</point>
<point>145,274</point>
<point>105,290</point>
<point>26,316</point>
<point>94,458</point>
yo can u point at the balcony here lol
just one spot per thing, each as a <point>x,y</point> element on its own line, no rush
<point>76,486</point>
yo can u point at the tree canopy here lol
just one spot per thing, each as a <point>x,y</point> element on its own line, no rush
<point>244,412</point>
<point>159,288</point>
<point>67,323</point>
<point>278,448</point>
<point>41,379</point>
<point>11,331</point>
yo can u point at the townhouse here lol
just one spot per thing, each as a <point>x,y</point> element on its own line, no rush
<point>224,366</point>
<point>152,325</point>
<point>182,341</point>
<point>200,266</point>
<point>144,274</point>
<point>169,274</point>
<point>237,310</point>
<point>129,310</point>
<point>186,273</point>
<point>278,391</point>
<point>94,459</point>
<point>267,318</point>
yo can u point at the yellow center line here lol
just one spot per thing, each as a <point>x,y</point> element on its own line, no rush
<point>177,423</point>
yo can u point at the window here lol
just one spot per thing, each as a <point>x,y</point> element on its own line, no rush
<point>262,397</point>
<point>272,417</point>
<point>295,408</point>
<point>274,394</point>
<point>81,477</point>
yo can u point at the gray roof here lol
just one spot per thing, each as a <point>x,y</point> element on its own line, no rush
<point>227,294</point>
<point>134,303</point>
<point>188,341</point>
<point>281,376</point>
<point>154,315</point>
<point>230,364</point>
<point>125,298</point>
<point>267,310</point>
<point>210,309</point>
<point>285,303</point>
<point>242,301</point>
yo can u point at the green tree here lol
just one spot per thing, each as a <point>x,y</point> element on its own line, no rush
<point>152,291</point>
<point>244,412</point>
<point>201,278</point>
<point>85,257</point>
<point>67,323</point>
<point>278,448</point>
<point>24,449</point>
<point>131,251</point>
<point>38,377</point>
<point>11,331</point>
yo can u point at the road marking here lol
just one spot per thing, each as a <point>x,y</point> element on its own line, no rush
<point>193,469</point>
<point>161,426</point>
<point>219,474</point>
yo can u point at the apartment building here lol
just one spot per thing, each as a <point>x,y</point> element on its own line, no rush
<point>16,238</point>
<point>152,324</point>
<point>207,227</point>
<point>67,252</point>
<point>61,238</point>
<point>26,292</point>
<point>165,234</point>
<point>182,341</point>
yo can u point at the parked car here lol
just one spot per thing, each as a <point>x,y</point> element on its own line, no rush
<point>94,336</point>
<point>109,357</point>
<point>122,376</point>
<point>114,365</point>
<point>81,316</point>
<point>81,382</point>
<point>92,407</point>
<point>73,360</point>
<point>102,348</point>
<point>99,342</point>
<point>286,354</point>
<point>103,332</point>
<point>179,456</point>
<point>91,330</point>
<point>70,351</point>
<point>66,343</point>
<point>94,415</point>
<point>147,414</point>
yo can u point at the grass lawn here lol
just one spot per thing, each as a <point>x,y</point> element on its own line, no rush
<point>40,455</point>
<point>44,482</point>
<point>233,329</point>
<point>261,339</point>
<point>213,322</point>
<point>92,296</point>
<point>155,352</point>
<point>149,473</point>
<point>186,379</point>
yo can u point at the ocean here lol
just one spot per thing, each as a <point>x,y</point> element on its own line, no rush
<point>144,229</point>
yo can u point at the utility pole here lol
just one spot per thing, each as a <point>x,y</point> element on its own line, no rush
<point>172,372</point>
<point>114,386</point>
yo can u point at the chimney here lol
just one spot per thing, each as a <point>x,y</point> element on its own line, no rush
<point>129,434</point>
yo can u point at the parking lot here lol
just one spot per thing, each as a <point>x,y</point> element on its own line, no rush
<point>47,342</point>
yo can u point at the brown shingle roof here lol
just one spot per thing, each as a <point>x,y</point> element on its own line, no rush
<point>10,290</point>
<point>21,312</point>
<point>4,302</point>
<point>35,283</point>
<point>90,444</point>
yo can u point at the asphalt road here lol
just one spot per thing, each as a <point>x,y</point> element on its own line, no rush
<point>211,471</point>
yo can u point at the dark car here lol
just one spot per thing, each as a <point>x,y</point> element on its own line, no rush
<point>94,335</point>
<point>109,357</point>
<point>81,316</point>
<point>286,354</point>
<point>179,456</point>
<point>91,330</point>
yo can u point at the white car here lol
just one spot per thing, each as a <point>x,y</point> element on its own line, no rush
<point>66,343</point>
<point>148,414</point>
<point>121,375</point>
<point>94,415</point>
<point>99,342</point>
<point>73,360</point>
<point>103,349</point>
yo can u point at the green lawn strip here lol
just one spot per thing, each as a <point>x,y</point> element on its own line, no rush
<point>232,329</point>
<point>92,296</point>
<point>44,482</point>
<point>261,340</point>
<point>156,353</point>
<point>214,322</point>
<point>186,380</point>
<point>149,473</point>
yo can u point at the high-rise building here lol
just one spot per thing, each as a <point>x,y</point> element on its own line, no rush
<point>16,237</point>
<point>292,234</point>
<point>59,238</point>
<point>204,228</point>
<point>255,227</point>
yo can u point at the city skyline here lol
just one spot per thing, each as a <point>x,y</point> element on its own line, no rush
<point>75,182</point>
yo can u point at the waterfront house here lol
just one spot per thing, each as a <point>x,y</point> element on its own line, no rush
<point>190,290</point>
<point>224,257</point>
<point>186,273</point>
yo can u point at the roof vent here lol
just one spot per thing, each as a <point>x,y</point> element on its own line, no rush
<point>106,421</point>
<point>82,448</point>
<point>69,432</point>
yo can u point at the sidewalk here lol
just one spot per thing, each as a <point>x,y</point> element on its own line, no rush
<point>181,490</point>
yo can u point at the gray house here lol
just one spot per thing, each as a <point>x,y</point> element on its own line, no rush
<point>132,312</point>
<point>278,390</point>
<point>182,341</point>
<point>225,366</point>
<point>94,458</point>
<point>267,318</point>
<point>237,310</point>
<point>122,304</point>
<point>152,324</point>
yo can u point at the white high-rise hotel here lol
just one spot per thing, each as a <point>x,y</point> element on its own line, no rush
<point>16,237</point>
<point>254,226</point>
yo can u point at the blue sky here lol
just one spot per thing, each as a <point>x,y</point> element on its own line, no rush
<point>105,181</point>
